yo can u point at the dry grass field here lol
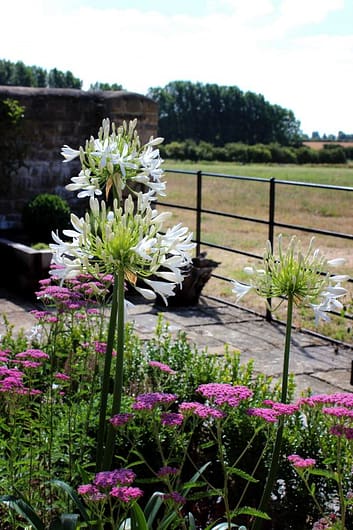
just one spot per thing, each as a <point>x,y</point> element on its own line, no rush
<point>320,145</point>
<point>323,209</point>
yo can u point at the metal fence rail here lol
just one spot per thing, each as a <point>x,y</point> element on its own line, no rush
<point>273,184</point>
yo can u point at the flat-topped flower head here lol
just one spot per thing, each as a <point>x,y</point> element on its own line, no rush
<point>114,160</point>
<point>303,276</point>
<point>128,241</point>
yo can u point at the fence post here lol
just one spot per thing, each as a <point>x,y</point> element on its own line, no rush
<point>198,212</point>
<point>271,226</point>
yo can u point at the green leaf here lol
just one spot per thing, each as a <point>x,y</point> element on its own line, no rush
<point>248,510</point>
<point>190,485</point>
<point>195,477</point>
<point>242,474</point>
<point>138,520</point>
<point>324,473</point>
<point>206,445</point>
<point>152,507</point>
<point>23,509</point>
<point>191,521</point>
<point>73,496</point>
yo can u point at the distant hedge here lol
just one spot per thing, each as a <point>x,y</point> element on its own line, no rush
<point>258,153</point>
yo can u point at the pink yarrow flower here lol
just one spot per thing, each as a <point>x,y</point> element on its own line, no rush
<point>163,367</point>
<point>121,419</point>
<point>61,376</point>
<point>126,493</point>
<point>92,492</point>
<point>149,401</point>
<point>168,470</point>
<point>200,410</point>
<point>298,461</point>
<point>172,419</point>
<point>32,354</point>
<point>175,497</point>
<point>224,393</point>
<point>106,479</point>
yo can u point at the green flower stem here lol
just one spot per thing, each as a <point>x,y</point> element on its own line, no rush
<point>278,442</point>
<point>106,377</point>
<point>119,372</point>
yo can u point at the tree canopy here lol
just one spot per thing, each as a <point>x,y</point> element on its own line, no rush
<point>19,74</point>
<point>221,114</point>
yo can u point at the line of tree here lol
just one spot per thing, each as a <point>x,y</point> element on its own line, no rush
<point>221,114</point>
<point>256,153</point>
<point>19,74</point>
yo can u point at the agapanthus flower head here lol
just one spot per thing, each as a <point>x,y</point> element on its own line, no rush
<point>302,275</point>
<point>115,160</point>
<point>129,241</point>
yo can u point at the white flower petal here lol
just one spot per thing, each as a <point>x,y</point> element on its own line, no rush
<point>240,289</point>
<point>336,262</point>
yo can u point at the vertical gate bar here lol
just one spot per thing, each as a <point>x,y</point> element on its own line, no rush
<point>198,212</point>
<point>271,223</point>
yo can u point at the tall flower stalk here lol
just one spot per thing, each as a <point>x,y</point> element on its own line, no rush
<point>121,237</point>
<point>300,279</point>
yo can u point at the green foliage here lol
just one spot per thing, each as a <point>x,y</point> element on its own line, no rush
<point>332,155</point>
<point>221,114</point>
<point>48,434</point>
<point>251,154</point>
<point>105,86</point>
<point>19,74</point>
<point>43,214</point>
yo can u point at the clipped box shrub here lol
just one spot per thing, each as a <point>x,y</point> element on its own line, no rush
<point>43,214</point>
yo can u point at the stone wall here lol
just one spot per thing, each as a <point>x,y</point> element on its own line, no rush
<point>54,117</point>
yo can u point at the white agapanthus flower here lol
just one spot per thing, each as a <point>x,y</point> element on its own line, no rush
<point>114,160</point>
<point>293,273</point>
<point>128,240</point>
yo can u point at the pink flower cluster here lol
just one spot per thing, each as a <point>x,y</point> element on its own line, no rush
<point>325,523</point>
<point>114,483</point>
<point>298,461</point>
<point>343,399</point>
<point>11,380</point>
<point>74,294</point>
<point>176,497</point>
<point>273,411</point>
<point>341,430</point>
<point>152,399</point>
<point>121,419</point>
<point>126,493</point>
<point>163,367</point>
<point>200,410</point>
<point>107,479</point>
<point>224,393</point>
<point>168,470</point>
<point>171,419</point>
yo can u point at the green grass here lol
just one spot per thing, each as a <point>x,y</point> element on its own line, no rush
<point>303,206</point>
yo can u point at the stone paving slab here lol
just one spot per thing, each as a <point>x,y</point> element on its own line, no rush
<point>316,362</point>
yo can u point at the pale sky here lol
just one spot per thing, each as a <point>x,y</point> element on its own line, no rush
<point>296,53</point>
